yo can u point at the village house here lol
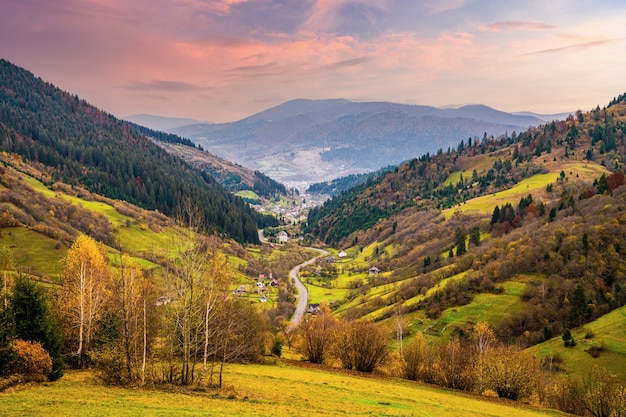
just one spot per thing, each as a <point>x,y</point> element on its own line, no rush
<point>283,237</point>
<point>373,270</point>
<point>313,309</point>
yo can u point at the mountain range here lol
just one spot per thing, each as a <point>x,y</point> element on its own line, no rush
<point>316,140</point>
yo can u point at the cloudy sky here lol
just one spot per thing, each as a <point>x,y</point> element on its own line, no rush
<point>222,60</point>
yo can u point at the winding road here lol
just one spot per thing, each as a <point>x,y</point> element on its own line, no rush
<point>303,295</point>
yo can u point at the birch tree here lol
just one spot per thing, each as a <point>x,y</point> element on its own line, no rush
<point>135,301</point>
<point>86,287</point>
<point>7,263</point>
<point>196,281</point>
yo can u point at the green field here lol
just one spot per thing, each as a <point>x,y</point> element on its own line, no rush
<point>537,183</point>
<point>247,194</point>
<point>609,332</point>
<point>258,390</point>
<point>33,252</point>
<point>318,294</point>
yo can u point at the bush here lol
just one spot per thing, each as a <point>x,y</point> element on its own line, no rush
<point>277,347</point>
<point>564,393</point>
<point>417,359</point>
<point>605,395</point>
<point>110,362</point>
<point>360,345</point>
<point>32,358</point>
<point>509,372</point>
<point>595,351</point>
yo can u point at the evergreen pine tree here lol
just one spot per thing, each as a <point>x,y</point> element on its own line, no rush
<point>34,323</point>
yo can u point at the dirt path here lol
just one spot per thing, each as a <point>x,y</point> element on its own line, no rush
<point>303,295</point>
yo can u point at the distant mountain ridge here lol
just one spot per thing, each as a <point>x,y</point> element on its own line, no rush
<point>161,123</point>
<point>316,140</point>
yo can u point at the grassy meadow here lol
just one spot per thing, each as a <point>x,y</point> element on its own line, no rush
<point>258,390</point>
<point>608,332</point>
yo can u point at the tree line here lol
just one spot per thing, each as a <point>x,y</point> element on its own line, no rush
<point>111,316</point>
<point>477,363</point>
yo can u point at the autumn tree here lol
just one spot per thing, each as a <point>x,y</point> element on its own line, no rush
<point>134,302</point>
<point>316,335</point>
<point>7,264</point>
<point>238,335</point>
<point>604,396</point>
<point>453,367</point>
<point>196,281</point>
<point>86,288</point>
<point>484,338</point>
<point>417,359</point>
<point>360,345</point>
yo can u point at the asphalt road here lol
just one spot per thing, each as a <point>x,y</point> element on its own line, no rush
<point>303,295</point>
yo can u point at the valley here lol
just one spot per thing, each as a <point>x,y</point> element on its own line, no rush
<point>497,258</point>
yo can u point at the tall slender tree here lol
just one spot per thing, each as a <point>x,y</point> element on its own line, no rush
<point>86,287</point>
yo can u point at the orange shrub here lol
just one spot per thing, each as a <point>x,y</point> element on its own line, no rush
<point>32,358</point>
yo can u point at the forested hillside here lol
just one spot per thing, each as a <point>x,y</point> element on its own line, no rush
<point>536,219</point>
<point>231,176</point>
<point>83,145</point>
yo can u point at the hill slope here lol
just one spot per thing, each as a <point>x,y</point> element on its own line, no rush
<point>309,140</point>
<point>260,390</point>
<point>231,176</point>
<point>83,145</point>
<point>526,232</point>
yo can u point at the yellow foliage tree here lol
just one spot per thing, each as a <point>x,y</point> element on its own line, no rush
<point>86,288</point>
<point>134,298</point>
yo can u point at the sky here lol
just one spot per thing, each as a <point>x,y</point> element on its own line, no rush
<point>223,60</point>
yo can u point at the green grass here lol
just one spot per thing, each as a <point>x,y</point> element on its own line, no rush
<point>34,252</point>
<point>484,307</point>
<point>258,390</point>
<point>609,331</point>
<point>532,185</point>
<point>318,294</point>
<point>454,178</point>
<point>485,204</point>
<point>247,194</point>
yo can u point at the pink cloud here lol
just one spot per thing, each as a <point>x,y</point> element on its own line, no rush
<point>516,26</point>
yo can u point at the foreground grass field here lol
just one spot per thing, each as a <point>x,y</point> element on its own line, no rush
<point>258,390</point>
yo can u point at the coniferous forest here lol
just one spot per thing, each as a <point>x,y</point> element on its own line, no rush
<point>83,145</point>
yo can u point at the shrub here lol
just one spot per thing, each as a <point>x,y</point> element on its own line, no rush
<point>595,351</point>
<point>277,347</point>
<point>32,358</point>
<point>604,395</point>
<point>417,358</point>
<point>360,345</point>
<point>564,393</point>
<point>509,372</point>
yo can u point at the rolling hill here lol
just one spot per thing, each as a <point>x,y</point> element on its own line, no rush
<point>313,140</point>
<point>525,232</point>
<point>81,145</point>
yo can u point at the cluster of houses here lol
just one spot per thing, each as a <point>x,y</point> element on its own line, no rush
<point>260,287</point>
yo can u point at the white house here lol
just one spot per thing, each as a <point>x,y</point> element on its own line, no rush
<point>283,237</point>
